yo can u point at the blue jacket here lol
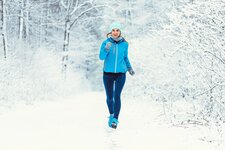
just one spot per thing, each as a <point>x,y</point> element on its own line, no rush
<point>116,59</point>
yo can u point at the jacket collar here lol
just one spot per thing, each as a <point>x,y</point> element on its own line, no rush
<point>118,40</point>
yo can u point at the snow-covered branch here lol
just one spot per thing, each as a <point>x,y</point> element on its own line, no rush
<point>84,12</point>
<point>63,4</point>
<point>221,60</point>
<point>80,6</point>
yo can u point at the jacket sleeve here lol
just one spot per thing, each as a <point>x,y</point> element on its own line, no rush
<point>126,59</point>
<point>103,53</point>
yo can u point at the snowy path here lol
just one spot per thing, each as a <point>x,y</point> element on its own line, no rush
<point>80,123</point>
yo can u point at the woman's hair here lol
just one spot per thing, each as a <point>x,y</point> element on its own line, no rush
<point>107,35</point>
<point>110,33</point>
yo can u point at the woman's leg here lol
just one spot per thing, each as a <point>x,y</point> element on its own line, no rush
<point>108,83</point>
<point>120,80</point>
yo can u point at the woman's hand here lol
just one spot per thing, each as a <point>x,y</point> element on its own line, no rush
<point>107,46</point>
<point>131,71</point>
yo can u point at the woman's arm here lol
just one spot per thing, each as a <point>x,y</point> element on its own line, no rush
<point>126,59</point>
<point>103,51</point>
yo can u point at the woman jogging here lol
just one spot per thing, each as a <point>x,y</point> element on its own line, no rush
<point>114,52</point>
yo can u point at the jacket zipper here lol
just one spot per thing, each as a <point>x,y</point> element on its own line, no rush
<point>116,57</point>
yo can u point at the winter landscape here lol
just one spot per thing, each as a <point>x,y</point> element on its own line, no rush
<point>52,95</point>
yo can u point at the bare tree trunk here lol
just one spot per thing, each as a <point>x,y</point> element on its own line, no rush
<point>40,29</point>
<point>66,38</point>
<point>23,24</point>
<point>211,97</point>
<point>3,26</point>
<point>26,21</point>
<point>21,21</point>
<point>66,45</point>
<point>128,13</point>
<point>129,16</point>
<point>46,20</point>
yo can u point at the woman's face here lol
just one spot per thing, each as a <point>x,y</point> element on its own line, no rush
<point>115,33</point>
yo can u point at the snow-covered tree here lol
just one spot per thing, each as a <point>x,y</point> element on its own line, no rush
<point>195,49</point>
<point>74,10</point>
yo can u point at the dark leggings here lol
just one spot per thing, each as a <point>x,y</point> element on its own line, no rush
<point>114,83</point>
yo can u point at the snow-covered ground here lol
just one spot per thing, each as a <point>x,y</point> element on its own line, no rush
<point>80,122</point>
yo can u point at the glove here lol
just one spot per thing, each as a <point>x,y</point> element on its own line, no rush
<point>131,71</point>
<point>107,46</point>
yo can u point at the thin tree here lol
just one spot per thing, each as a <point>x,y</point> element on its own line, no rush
<point>3,26</point>
<point>23,20</point>
<point>74,11</point>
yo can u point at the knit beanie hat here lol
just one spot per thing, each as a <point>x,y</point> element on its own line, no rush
<point>115,25</point>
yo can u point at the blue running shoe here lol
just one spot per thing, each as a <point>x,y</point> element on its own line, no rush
<point>110,119</point>
<point>114,123</point>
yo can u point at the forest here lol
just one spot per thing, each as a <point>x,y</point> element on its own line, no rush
<point>49,49</point>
